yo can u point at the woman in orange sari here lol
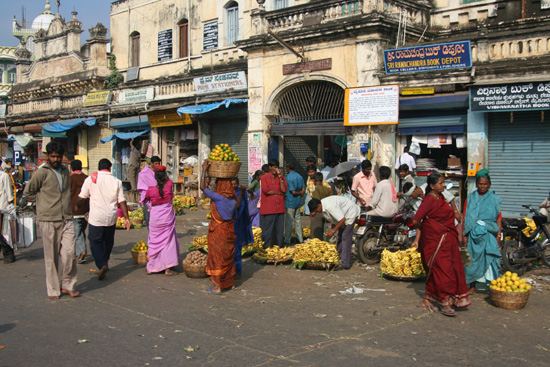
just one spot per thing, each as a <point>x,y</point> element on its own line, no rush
<point>220,264</point>
<point>445,281</point>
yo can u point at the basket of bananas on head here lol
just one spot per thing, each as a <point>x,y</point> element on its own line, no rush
<point>402,265</point>
<point>200,244</point>
<point>274,255</point>
<point>316,255</point>
<point>255,246</point>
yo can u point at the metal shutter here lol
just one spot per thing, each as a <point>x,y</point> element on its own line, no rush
<point>519,159</point>
<point>297,149</point>
<point>235,134</point>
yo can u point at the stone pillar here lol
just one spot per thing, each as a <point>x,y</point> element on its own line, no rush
<point>98,46</point>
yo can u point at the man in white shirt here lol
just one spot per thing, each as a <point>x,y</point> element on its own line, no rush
<point>407,159</point>
<point>105,193</point>
<point>384,200</point>
<point>342,213</point>
<point>6,197</point>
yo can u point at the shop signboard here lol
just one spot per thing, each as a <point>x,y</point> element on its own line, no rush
<point>168,118</point>
<point>510,97</point>
<point>254,159</point>
<point>417,91</point>
<point>164,45</point>
<point>17,158</point>
<point>220,82</point>
<point>314,65</point>
<point>545,4</point>
<point>378,105</point>
<point>443,56</point>
<point>210,35</point>
<point>98,98</point>
<point>138,95</point>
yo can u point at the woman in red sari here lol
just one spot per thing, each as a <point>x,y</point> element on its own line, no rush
<point>445,282</point>
<point>220,264</point>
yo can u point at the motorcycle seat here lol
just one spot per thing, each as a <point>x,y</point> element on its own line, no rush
<point>379,220</point>
<point>513,223</point>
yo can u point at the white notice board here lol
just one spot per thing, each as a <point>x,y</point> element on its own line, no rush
<point>372,105</point>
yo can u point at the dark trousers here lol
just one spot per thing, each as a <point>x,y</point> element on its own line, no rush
<point>145,215</point>
<point>317,226</point>
<point>345,237</point>
<point>7,251</point>
<point>272,224</point>
<point>101,241</point>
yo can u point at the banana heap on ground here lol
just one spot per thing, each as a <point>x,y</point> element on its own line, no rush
<point>316,251</point>
<point>136,214</point>
<point>199,242</point>
<point>195,258</point>
<point>404,263</point>
<point>205,201</point>
<point>306,232</point>
<point>276,253</point>
<point>141,246</point>
<point>258,243</point>
<point>180,202</point>
<point>120,222</point>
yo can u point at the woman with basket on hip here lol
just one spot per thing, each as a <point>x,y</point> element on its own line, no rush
<point>220,265</point>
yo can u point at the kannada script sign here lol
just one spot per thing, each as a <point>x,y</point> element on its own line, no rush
<point>315,65</point>
<point>510,97</point>
<point>442,56</point>
<point>372,105</point>
<point>220,82</point>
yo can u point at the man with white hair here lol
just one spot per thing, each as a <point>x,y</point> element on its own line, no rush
<point>6,197</point>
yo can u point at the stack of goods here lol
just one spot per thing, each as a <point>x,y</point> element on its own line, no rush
<point>274,255</point>
<point>194,265</point>
<point>136,218</point>
<point>425,165</point>
<point>316,254</point>
<point>139,253</point>
<point>402,264</point>
<point>509,291</point>
<point>256,245</point>
<point>199,243</point>
<point>306,232</point>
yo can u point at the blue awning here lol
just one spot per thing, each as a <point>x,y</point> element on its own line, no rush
<point>61,126</point>
<point>130,122</point>
<point>123,136</point>
<point>202,108</point>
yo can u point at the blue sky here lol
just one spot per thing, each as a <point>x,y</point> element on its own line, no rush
<point>90,12</point>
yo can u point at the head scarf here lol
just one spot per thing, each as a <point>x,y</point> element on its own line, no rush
<point>225,189</point>
<point>159,168</point>
<point>482,172</point>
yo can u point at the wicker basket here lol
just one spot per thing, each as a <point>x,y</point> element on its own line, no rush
<point>205,206</point>
<point>321,266</point>
<point>224,169</point>
<point>136,221</point>
<point>195,271</point>
<point>139,257</point>
<point>509,300</point>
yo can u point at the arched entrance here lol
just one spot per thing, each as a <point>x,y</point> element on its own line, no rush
<point>307,118</point>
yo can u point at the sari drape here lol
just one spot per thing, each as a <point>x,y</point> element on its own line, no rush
<point>481,228</point>
<point>243,231</point>
<point>445,282</point>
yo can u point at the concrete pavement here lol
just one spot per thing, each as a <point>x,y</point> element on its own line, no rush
<point>278,316</point>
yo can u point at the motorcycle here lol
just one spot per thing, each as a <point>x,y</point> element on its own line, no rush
<point>374,234</point>
<point>518,250</point>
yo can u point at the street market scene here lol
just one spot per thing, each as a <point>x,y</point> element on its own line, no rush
<point>275,183</point>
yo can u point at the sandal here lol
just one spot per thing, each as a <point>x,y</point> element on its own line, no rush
<point>448,312</point>
<point>170,272</point>
<point>214,293</point>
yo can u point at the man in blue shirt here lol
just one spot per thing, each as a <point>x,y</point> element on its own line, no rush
<point>293,203</point>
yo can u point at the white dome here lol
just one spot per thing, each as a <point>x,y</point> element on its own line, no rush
<point>43,21</point>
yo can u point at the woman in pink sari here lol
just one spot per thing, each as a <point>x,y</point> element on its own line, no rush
<point>163,242</point>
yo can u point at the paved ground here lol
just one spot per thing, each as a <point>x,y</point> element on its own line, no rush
<point>278,317</point>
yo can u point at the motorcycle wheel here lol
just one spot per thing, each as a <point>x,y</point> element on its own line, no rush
<point>508,250</point>
<point>365,245</point>
<point>545,254</point>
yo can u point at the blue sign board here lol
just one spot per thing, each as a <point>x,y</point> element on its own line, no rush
<point>443,56</point>
<point>17,158</point>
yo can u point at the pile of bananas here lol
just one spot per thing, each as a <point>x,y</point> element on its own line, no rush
<point>199,243</point>
<point>186,200</point>
<point>205,201</point>
<point>306,232</point>
<point>136,214</point>
<point>141,246</point>
<point>120,222</point>
<point>316,251</point>
<point>402,263</point>
<point>258,243</point>
<point>276,253</point>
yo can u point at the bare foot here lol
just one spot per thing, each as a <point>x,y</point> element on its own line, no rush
<point>53,297</point>
<point>170,272</point>
<point>71,293</point>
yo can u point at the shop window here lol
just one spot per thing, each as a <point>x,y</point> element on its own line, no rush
<point>135,49</point>
<point>279,4</point>
<point>232,16</point>
<point>183,38</point>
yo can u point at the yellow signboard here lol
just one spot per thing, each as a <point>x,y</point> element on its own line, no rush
<point>168,118</point>
<point>417,91</point>
<point>97,98</point>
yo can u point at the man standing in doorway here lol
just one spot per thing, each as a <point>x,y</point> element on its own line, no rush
<point>364,182</point>
<point>6,197</point>
<point>146,179</point>
<point>50,187</point>
<point>272,211</point>
<point>407,159</point>
<point>105,193</point>
<point>133,164</point>
<point>293,203</point>
<point>79,220</point>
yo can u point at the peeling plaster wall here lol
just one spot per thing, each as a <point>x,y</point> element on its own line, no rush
<point>477,143</point>
<point>383,145</point>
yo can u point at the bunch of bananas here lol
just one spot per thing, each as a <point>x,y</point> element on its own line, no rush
<point>276,253</point>
<point>306,231</point>
<point>186,200</point>
<point>199,242</point>
<point>141,246</point>
<point>258,243</point>
<point>120,222</point>
<point>407,262</point>
<point>205,201</point>
<point>316,251</point>
<point>208,215</point>
<point>136,214</point>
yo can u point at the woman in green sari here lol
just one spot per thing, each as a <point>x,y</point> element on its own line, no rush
<point>482,228</point>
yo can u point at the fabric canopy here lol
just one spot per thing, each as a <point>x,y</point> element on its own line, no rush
<point>202,108</point>
<point>123,136</point>
<point>61,126</point>
<point>23,140</point>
